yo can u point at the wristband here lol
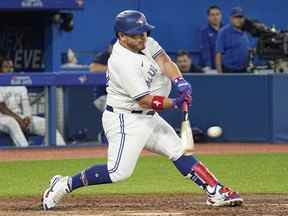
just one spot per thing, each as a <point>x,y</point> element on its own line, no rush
<point>158,103</point>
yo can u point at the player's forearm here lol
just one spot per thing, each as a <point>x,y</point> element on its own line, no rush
<point>6,111</point>
<point>218,62</point>
<point>150,102</point>
<point>95,67</point>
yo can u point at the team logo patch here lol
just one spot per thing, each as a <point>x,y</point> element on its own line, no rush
<point>141,20</point>
<point>32,3</point>
<point>21,80</point>
<point>157,103</point>
<point>83,79</point>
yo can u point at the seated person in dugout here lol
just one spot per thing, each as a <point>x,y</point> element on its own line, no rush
<point>16,118</point>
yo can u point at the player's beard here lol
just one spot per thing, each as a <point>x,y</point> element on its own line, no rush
<point>141,46</point>
<point>137,45</point>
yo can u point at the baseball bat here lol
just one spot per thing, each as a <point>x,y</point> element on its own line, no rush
<point>186,132</point>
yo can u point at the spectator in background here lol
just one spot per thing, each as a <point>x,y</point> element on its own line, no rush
<point>15,111</point>
<point>101,60</point>
<point>185,64</point>
<point>209,36</point>
<point>100,65</point>
<point>6,65</point>
<point>232,45</point>
<point>72,61</point>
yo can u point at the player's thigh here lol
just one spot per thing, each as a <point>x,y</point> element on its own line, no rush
<point>8,124</point>
<point>165,141</point>
<point>126,137</point>
<point>37,125</point>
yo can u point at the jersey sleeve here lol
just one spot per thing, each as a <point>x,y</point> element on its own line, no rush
<point>132,79</point>
<point>153,47</point>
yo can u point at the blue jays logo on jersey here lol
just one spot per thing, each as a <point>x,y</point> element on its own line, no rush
<point>151,74</point>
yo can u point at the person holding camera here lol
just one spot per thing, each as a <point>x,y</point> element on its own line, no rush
<point>233,45</point>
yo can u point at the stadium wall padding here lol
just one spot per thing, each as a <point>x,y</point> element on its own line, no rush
<point>177,22</point>
<point>249,108</point>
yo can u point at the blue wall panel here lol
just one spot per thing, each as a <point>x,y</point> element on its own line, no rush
<point>239,104</point>
<point>93,26</point>
<point>177,22</point>
<point>247,107</point>
<point>80,113</point>
<point>280,108</point>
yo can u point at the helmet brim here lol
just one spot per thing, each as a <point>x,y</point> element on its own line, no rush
<point>140,30</point>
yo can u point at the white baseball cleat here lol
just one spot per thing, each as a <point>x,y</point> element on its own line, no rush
<point>224,196</point>
<point>57,189</point>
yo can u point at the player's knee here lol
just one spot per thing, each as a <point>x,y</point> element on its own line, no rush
<point>120,175</point>
<point>176,152</point>
<point>12,124</point>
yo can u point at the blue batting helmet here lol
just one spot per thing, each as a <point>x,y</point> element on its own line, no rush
<point>132,22</point>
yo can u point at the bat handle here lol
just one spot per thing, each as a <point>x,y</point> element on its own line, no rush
<point>185,107</point>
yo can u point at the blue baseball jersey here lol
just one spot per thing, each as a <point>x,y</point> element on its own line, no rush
<point>208,37</point>
<point>234,46</point>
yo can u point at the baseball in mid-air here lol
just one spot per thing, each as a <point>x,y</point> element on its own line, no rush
<point>214,132</point>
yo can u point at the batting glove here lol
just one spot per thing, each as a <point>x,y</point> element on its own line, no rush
<point>182,86</point>
<point>181,99</point>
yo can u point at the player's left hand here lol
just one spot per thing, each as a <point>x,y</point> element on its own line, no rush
<point>188,99</point>
<point>181,99</point>
<point>182,86</point>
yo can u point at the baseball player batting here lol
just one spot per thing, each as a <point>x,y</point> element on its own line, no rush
<point>139,82</point>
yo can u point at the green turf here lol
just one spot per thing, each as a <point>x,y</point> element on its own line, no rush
<point>260,173</point>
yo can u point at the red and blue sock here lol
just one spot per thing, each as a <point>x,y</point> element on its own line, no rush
<point>191,168</point>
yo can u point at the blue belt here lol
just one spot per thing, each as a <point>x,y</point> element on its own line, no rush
<point>110,109</point>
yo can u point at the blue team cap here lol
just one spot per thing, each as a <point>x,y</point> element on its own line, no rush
<point>237,12</point>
